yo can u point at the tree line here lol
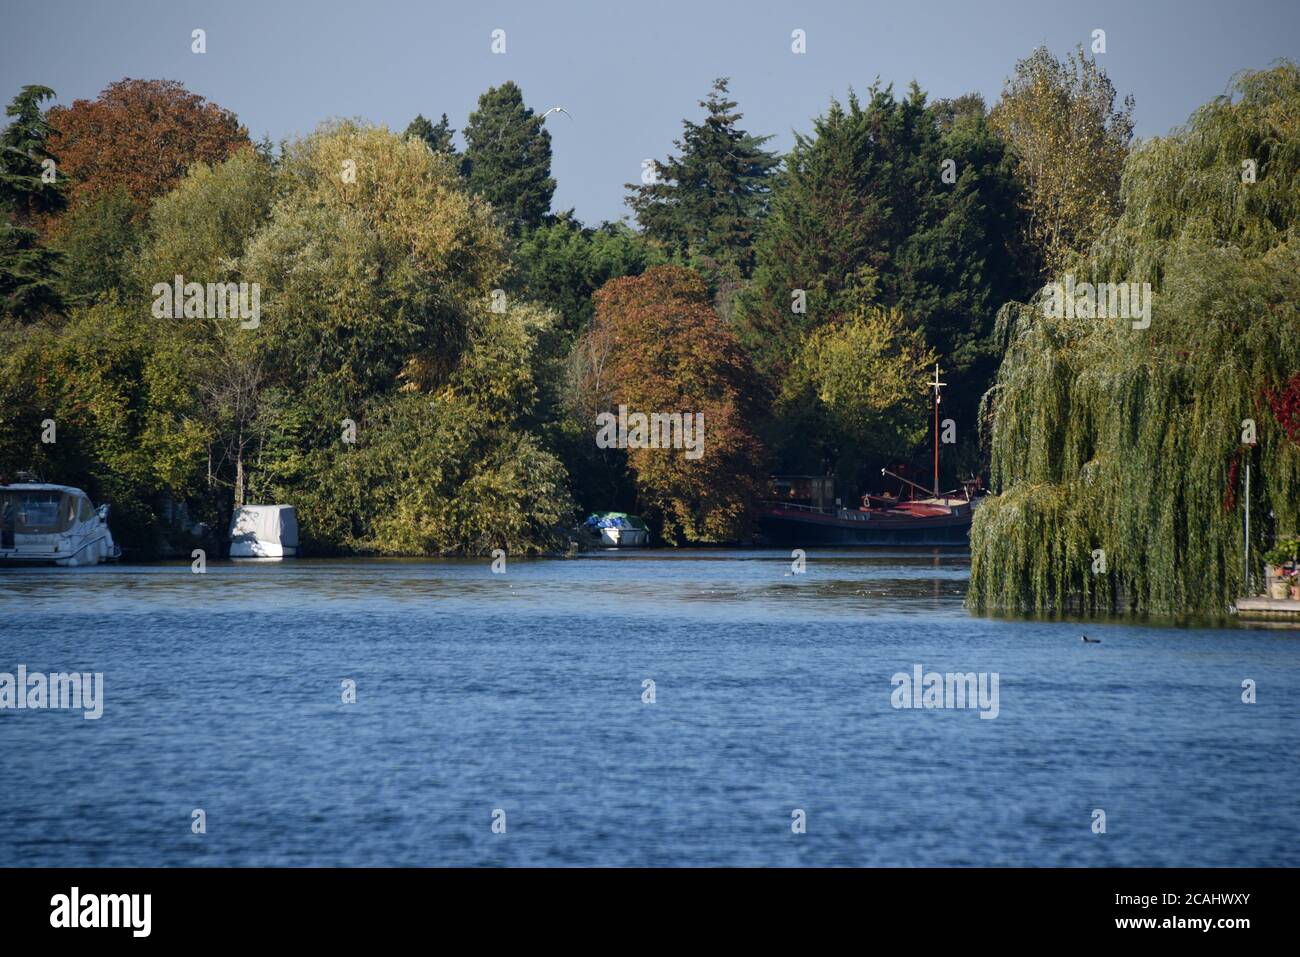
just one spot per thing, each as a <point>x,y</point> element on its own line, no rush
<point>435,340</point>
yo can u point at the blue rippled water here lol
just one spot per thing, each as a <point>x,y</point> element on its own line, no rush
<point>523,692</point>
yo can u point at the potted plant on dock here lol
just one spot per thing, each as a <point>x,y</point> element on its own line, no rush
<point>1282,561</point>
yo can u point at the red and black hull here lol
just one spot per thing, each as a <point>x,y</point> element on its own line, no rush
<point>797,527</point>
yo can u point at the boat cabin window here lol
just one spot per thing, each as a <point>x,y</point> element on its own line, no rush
<point>39,513</point>
<point>85,511</point>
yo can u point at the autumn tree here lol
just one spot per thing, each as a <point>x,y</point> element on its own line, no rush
<point>657,346</point>
<point>142,135</point>
<point>1071,143</point>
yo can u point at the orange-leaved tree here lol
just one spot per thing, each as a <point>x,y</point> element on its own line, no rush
<point>142,135</point>
<point>657,347</point>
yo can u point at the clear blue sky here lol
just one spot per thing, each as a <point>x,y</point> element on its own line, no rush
<point>628,72</point>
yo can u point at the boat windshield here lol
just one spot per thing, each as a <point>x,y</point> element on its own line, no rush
<point>37,513</point>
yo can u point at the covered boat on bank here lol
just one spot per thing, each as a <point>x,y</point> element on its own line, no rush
<point>264,531</point>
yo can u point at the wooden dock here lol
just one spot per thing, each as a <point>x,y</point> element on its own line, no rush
<point>1268,609</point>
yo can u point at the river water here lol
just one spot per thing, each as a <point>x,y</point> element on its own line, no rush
<point>522,699</point>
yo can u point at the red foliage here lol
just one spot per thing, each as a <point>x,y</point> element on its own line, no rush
<point>1286,408</point>
<point>657,345</point>
<point>142,135</point>
<point>1230,496</point>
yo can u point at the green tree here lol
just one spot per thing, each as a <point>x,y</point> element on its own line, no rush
<point>437,135</point>
<point>27,196</point>
<point>122,404</point>
<point>508,157</point>
<point>98,242</point>
<point>1130,440</point>
<point>705,204</point>
<point>1070,142</point>
<point>964,259</point>
<point>856,390</point>
<point>896,204</point>
<point>377,310</point>
<point>851,194</point>
<point>201,231</point>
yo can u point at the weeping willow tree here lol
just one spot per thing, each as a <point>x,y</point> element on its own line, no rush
<point>1119,453</point>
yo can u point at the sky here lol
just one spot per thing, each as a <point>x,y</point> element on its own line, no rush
<point>628,73</point>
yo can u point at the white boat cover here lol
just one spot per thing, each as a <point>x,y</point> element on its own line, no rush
<point>264,531</point>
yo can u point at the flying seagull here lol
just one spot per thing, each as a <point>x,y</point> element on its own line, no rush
<point>557,109</point>
<point>1089,641</point>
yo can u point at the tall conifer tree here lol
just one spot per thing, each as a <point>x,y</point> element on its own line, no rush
<point>27,269</point>
<point>705,204</point>
<point>508,157</point>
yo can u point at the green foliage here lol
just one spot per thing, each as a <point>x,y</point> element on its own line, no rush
<point>1071,143</point>
<point>706,203</point>
<point>377,311</point>
<point>28,287</point>
<point>508,157</point>
<point>200,231</point>
<point>1130,440</point>
<point>862,213</point>
<point>1285,551</point>
<point>27,268</point>
<point>1190,186</point>
<point>374,307</point>
<point>24,193</point>
<point>438,136</point>
<point>857,388</point>
<point>201,228</point>
<point>97,243</point>
<point>451,472</point>
<point>119,404</point>
<point>864,216</point>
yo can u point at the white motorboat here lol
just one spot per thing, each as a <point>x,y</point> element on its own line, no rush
<point>44,524</point>
<point>615,530</point>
